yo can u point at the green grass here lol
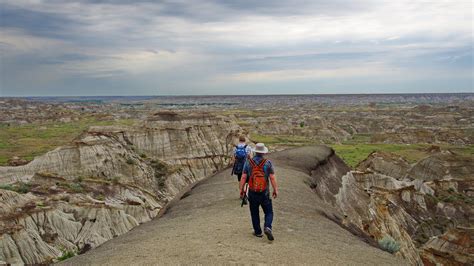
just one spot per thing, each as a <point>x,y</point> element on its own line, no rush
<point>354,150</point>
<point>267,139</point>
<point>360,138</point>
<point>359,147</point>
<point>352,154</point>
<point>281,139</point>
<point>28,141</point>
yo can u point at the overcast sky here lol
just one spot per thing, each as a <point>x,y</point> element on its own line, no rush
<point>235,47</point>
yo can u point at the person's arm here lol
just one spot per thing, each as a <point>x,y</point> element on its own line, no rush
<point>249,151</point>
<point>232,159</point>
<point>243,179</point>
<point>273,181</point>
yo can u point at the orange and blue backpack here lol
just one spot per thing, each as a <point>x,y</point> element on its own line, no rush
<point>257,181</point>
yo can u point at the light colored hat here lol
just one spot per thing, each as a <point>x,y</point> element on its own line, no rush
<point>260,148</point>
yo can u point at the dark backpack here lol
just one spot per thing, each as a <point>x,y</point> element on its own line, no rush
<point>257,180</point>
<point>240,152</point>
<point>240,157</point>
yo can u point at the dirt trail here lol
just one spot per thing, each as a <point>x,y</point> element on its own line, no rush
<point>209,226</point>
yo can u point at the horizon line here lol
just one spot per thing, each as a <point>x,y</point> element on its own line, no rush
<point>215,95</point>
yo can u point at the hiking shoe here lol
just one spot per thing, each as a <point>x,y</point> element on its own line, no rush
<point>269,233</point>
<point>258,235</point>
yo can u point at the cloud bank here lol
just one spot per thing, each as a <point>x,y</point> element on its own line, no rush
<point>234,47</point>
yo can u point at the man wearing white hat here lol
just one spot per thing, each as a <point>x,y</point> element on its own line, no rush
<point>259,171</point>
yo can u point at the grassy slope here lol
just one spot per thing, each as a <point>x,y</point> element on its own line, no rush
<point>356,150</point>
<point>28,141</point>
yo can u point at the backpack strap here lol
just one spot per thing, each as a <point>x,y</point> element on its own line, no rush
<point>252,162</point>
<point>260,165</point>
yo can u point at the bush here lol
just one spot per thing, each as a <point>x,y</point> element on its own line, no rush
<point>7,187</point>
<point>76,187</point>
<point>116,180</point>
<point>66,255</point>
<point>20,187</point>
<point>389,244</point>
<point>301,124</point>
<point>130,161</point>
<point>23,188</point>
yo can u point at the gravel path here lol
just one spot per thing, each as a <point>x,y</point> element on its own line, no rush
<point>209,226</point>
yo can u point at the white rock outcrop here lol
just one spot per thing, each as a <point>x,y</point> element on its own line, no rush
<point>109,180</point>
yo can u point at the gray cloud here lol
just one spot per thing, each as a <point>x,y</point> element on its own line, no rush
<point>210,46</point>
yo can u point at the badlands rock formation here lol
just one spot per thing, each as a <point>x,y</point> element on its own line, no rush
<point>426,208</point>
<point>208,226</point>
<point>108,181</point>
<point>335,124</point>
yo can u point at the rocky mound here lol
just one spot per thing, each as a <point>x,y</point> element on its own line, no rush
<point>455,246</point>
<point>109,180</point>
<point>443,165</point>
<point>386,164</point>
<point>408,210</point>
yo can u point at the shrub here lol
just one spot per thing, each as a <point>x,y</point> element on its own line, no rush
<point>449,198</point>
<point>76,187</point>
<point>7,187</point>
<point>301,124</point>
<point>432,198</point>
<point>116,179</point>
<point>389,244</point>
<point>66,255</point>
<point>143,155</point>
<point>20,187</point>
<point>130,161</point>
<point>23,188</point>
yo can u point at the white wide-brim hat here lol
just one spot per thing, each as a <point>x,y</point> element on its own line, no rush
<point>260,148</point>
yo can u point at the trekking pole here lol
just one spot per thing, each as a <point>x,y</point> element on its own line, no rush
<point>233,168</point>
<point>244,198</point>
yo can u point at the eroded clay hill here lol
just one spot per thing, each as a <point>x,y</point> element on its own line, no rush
<point>108,181</point>
<point>426,208</point>
<point>208,225</point>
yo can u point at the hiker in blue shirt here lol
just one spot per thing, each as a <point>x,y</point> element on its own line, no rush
<point>241,152</point>
<point>258,172</point>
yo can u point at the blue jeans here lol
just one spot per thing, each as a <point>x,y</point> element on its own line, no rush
<point>255,201</point>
